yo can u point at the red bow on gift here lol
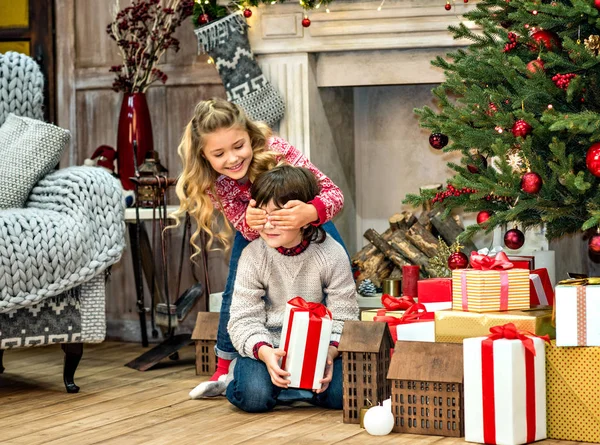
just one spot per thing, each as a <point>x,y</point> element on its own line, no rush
<point>315,309</point>
<point>397,304</point>
<point>414,314</point>
<point>484,262</point>
<point>510,332</point>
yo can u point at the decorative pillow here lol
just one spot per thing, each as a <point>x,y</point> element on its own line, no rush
<point>29,149</point>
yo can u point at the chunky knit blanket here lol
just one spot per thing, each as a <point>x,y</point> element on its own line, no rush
<point>21,86</point>
<point>71,229</point>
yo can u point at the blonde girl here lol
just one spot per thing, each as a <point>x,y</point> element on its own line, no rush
<point>223,151</point>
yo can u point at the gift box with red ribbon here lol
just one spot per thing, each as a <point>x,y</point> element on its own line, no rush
<point>305,337</point>
<point>435,293</point>
<point>541,292</point>
<point>416,324</point>
<point>577,310</point>
<point>392,306</point>
<point>505,387</point>
<point>522,261</point>
<point>492,285</point>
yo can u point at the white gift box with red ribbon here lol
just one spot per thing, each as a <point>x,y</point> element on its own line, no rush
<point>504,389</point>
<point>541,292</point>
<point>416,324</point>
<point>577,309</point>
<point>305,337</point>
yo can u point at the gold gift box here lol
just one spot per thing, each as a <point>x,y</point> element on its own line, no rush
<point>455,326</point>
<point>483,289</point>
<point>572,385</point>
<point>370,314</point>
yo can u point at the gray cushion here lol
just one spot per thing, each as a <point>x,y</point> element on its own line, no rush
<point>29,149</point>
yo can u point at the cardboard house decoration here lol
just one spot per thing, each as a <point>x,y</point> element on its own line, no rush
<point>365,347</point>
<point>427,388</point>
<point>205,337</point>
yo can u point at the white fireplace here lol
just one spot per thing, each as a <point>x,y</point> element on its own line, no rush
<point>350,82</point>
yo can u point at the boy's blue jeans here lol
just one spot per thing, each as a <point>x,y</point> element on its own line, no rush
<point>224,348</point>
<point>252,390</point>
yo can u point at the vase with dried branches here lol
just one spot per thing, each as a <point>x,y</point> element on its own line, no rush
<point>143,32</point>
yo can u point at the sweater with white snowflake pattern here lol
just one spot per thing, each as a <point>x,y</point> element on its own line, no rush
<point>266,280</point>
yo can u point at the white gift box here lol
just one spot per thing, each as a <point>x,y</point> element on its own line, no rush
<point>577,311</point>
<point>438,306</point>
<point>513,391</point>
<point>305,336</point>
<point>416,331</point>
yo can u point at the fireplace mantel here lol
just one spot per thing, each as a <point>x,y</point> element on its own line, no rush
<point>356,26</point>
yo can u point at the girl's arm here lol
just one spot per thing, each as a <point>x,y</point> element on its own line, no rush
<point>339,287</point>
<point>232,202</point>
<point>331,200</point>
<point>247,314</point>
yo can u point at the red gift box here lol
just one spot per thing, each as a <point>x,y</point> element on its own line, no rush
<point>522,261</point>
<point>435,293</point>
<point>541,292</point>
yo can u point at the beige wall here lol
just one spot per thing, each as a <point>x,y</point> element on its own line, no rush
<point>393,156</point>
<point>90,109</point>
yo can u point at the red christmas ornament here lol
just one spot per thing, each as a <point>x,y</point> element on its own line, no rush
<point>438,140</point>
<point>477,157</point>
<point>306,22</point>
<point>483,216</point>
<point>447,6</point>
<point>549,39</point>
<point>535,66</point>
<point>597,4</point>
<point>594,244</point>
<point>203,19</point>
<point>531,183</point>
<point>492,108</point>
<point>247,13</point>
<point>514,239</point>
<point>592,159</point>
<point>458,260</point>
<point>521,129</point>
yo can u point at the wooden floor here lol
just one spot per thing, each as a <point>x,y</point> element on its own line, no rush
<point>122,406</point>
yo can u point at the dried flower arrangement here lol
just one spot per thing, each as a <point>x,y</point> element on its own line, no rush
<point>143,32</point>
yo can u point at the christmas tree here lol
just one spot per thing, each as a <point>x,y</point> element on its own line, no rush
<point>521,104</point>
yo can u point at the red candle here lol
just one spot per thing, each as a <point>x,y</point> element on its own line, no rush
<point>410,276</point>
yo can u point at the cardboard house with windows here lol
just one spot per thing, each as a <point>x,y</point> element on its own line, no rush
<point>205,338</point>
<point>365,347</point>
<point>427,388</point>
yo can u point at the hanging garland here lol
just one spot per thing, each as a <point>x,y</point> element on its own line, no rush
<point>206,11</point>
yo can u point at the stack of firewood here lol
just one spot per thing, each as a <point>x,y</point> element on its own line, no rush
<point>408,240</point>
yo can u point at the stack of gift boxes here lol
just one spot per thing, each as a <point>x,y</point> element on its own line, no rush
<point>520,385</point>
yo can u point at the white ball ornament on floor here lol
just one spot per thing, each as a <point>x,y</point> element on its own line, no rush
<point>379,421</point>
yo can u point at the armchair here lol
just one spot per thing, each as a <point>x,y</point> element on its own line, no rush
<point>60,230</point>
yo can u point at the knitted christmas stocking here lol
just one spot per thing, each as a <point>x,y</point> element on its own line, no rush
<point>226,41</point>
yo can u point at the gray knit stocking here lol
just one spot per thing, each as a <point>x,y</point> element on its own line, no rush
<point>226,41</point>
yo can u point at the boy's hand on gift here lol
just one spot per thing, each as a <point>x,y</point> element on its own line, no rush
<point>294,215</point>
<point>255,218</point>
<point>332,354</point>
<point>270,357</point>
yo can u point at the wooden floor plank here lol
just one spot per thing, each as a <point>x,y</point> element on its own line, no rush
<point>118,405</point>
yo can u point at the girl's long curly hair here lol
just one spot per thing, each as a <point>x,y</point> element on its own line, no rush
<point>198,177</point>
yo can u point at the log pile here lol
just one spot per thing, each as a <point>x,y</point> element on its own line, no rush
<point>408,240</point>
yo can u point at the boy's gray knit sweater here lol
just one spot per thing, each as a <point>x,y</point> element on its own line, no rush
<point>266,280</point>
